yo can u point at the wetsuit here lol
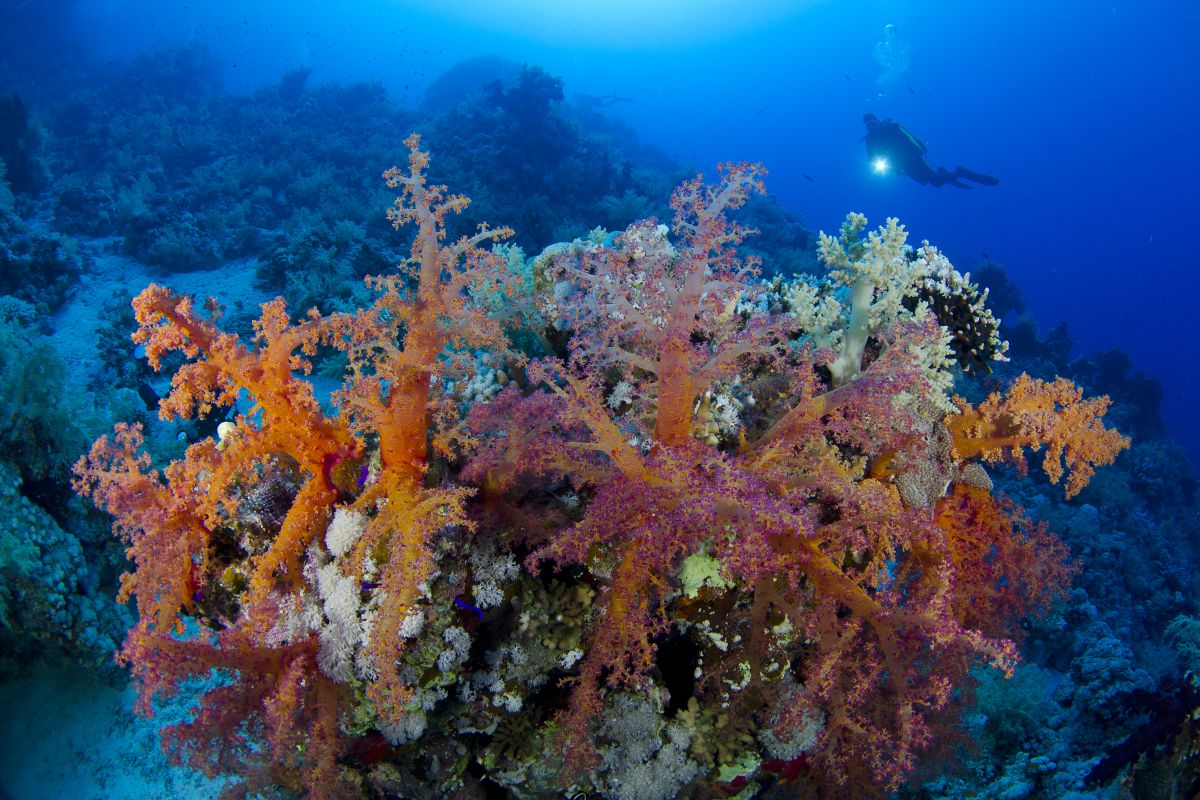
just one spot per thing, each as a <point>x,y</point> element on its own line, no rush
<point>902,151</point>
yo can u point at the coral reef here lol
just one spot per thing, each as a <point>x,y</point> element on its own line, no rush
<point>50,596</point>
<point>1100,697</point>
<point>57,567</point>
<point>42,425</point>
<point>722,533</point>
<point>37,265</point>
<point>158,162</point>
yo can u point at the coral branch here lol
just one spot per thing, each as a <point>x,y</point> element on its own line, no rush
<point>1035,413</point>
<point>238,533</point>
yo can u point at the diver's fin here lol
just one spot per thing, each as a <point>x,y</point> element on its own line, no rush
<point>977,177</point>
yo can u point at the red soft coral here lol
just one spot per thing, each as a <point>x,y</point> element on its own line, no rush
<point>843,603</point>
<point>790,513</point>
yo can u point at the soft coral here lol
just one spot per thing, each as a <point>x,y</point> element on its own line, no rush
<point>402,351</point>
<point>843,605</point>
<point>1034,413</point>
<point>805,518</point>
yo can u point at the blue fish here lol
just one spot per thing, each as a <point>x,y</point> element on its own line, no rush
<point>458,601</point>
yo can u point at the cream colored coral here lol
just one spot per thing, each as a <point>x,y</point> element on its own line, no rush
<point>818,312</point>
<point>936,360</point>
<point>879,275</point>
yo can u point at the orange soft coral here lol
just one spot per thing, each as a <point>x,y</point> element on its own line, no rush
<point>1008,567</point>
<point>389,394</point>
<point>286,419</point>
<point>1035,413</point>
<point>160,522</point>
<point>188,536</point>
<point>887,602</point>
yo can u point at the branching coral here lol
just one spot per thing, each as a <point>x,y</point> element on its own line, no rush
<point>878,281</point>
<point>1035,413</point>
<point>182,527</point>
<point>879,275</point>
<point>806,516</point>
<point>801,455</point>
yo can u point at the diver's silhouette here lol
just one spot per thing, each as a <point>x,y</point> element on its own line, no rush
<point>892,146</point>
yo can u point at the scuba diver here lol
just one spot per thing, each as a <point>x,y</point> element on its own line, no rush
<point>890,145</point>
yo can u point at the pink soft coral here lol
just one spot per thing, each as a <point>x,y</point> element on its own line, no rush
<point>840,600</point>
<point>788,515</point>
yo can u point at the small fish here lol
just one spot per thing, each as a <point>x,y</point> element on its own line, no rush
<point>367,586</point>
<point>844,75</point>
<point>464,605</point>
<point>808,177</point>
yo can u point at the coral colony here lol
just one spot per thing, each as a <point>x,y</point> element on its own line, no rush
<point>697,533</point>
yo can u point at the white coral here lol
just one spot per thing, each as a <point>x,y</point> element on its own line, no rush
<point>344,530</point>
<point>879,275</point>
<point>492,572</point>
<point>718,412</point>
<point>341,637</point>
<point>487,594</point>
<point>620,396</point>
<point>638,764</point>
<point>935,358</point>
<point>407,728</point>
<point>412,624</point>
<point>458,643</point>
<point>510,702</point>
<point>485,382</point>
<point>817,310</point>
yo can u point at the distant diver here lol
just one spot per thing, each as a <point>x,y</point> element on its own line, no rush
<point>593,102</point>
<point>891,146</point>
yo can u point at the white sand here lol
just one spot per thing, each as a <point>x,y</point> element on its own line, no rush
<point>232,284</point>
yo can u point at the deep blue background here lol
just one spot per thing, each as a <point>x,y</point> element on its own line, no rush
<point>1087,111</point>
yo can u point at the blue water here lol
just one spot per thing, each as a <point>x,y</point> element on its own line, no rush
<point>1086,112</point>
